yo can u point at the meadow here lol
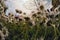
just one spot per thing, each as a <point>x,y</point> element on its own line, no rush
<point>43,25</point>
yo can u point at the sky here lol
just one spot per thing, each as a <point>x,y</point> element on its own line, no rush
<point>25,5</point>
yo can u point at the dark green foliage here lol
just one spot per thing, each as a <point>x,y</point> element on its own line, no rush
<point>24,30</point>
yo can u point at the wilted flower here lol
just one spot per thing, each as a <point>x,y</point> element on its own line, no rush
<point>23,23</point>
<point>41,7</point>
<point>5,31</point>
<point>20,19</point>
<point>27,18</point>
<point>16,17</point>
<point>38,13</point>
<point>51,9</point>
<point>48,10</point>
<point>34,15</point>
<point>18,11</point>
<point>49,23</point>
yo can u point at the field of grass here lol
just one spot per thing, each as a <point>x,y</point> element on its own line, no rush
<point>43,25</point>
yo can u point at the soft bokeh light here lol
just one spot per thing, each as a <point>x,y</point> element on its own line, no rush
<point>26,6</point>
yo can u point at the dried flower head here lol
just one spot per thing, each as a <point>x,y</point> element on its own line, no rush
<point>48,10</point>
<point>5,31</point>
<point>18,11</point>
<point>20,19</point>
<point>27,18</point>
<point>49,23</point>
<point>34,15</point>
<point>16,17</point>
<point>38,13</point>
<point>41,7</point>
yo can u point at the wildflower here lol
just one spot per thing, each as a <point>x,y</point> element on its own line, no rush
<point>20,19</point>
<point>16,17</point>
<point>5,31</point>
<point>18,11</point>
<point>27,18</point>
<point>51,9</point>
<point>34,15</point>
<point>48,10</point>
<point>41,7</point>
<point>49,23</point>
<point>38,13</point>
<point>56,10</point>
